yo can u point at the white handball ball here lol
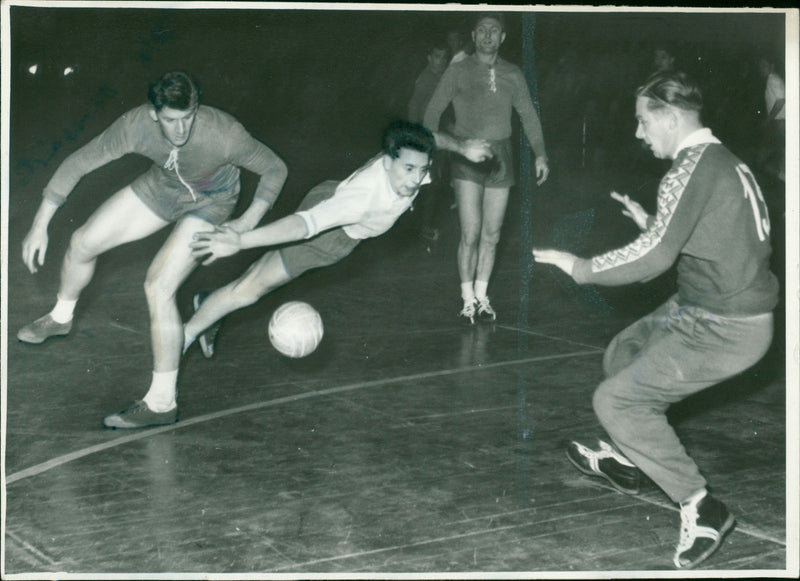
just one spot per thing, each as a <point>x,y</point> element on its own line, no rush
<point>295,329</point>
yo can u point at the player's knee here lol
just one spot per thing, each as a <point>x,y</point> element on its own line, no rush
<point>605,405</point>
<point>470,237</point>
<point>157,291</point>
<point>80,248</point>
<point>490,237</point>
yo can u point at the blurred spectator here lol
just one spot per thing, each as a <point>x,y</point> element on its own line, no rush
<point>431,195</point>
<point>426,82</point>
<point>459,49</point>
<point>663,60</point>
<point>772,154</point>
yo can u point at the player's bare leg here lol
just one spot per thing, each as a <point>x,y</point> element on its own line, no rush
<point>263,276</point>
<point>495,201</point>
<point>171,266</point>
<point>121,219</point>
<point>469,197</point>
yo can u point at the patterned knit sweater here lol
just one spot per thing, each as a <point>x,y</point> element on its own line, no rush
<point>712,218</point>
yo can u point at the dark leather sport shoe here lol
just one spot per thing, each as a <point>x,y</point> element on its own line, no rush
<point>704,524</point>
<point>209,336</point>
<point>606,463</point>
<point>140,416</point>
<point>42,329</point>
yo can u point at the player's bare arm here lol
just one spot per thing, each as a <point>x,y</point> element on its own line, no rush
<point>251,217</point>
<point>225,241</point>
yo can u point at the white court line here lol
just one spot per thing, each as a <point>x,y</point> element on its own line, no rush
<point>551,337</point>
<point>33,552</point>
<point>139,435</point>
<point>486,531</point>
<point>489,531</point>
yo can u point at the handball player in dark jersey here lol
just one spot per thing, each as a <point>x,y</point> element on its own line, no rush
<point>483,88</point>
<point>194,183</point>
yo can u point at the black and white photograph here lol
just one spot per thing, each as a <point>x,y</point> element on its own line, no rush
<point>409,291</point>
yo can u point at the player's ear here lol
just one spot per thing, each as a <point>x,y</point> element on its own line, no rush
<point>672,118</point>
<point>502,37</point>
<point>152,111</point>
<point>387,161</point>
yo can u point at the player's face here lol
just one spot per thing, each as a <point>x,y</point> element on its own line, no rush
<point>655,128</point>
<point>438,60</point>
<point>176,125</point>
<point>662,60</point>
<point>407,171</point>
<point>488,36</point>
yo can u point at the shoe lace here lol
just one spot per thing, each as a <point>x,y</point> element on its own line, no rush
<point>485,307</point>
<point>468,310</point>
<point>607,451</point>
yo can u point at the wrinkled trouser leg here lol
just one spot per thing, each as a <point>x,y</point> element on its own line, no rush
<point>659,360</point>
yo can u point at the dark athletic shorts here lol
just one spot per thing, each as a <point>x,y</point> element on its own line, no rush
<point>324,249</point>
<point>497,172</point>
<point>213,208</point>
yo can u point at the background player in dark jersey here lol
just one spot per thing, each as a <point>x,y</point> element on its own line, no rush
<point>712,218</point>
<point>194,181</point>
<point>483,88</point>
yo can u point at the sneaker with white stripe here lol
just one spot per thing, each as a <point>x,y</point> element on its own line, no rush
<point>606,463</point>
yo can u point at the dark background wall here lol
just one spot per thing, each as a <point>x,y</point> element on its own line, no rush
<point>319,85</point>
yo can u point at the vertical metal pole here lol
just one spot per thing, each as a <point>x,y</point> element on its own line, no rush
<point>526,180</point>
<point>525,424</point>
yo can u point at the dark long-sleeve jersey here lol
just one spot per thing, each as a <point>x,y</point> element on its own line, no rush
<point>207,164</point>
<point>712,218</point>
<point>424,87</point>
<point>482,98</point>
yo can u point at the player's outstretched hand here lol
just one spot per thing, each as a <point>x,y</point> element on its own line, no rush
<point>34,248</point>
<point>563,260</point>
<point>477,150</point>
<point>209,246</point>
<point>542,170</point>
<point>633,210</point>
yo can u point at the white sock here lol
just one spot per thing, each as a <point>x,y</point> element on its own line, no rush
<point>161,396</point>
<point>467,292</point>
<point>695,498</point>
<point>480,289</point>
<point>62,312</point>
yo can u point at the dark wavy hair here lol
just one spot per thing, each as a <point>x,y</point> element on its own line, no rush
<point>673,88</point>
<point>176,90</point>
<point>499,16</point>
<point>400,134</point>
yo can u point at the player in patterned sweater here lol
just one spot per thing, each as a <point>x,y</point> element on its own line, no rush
<point>194,182</point>
<point>712,219</point>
